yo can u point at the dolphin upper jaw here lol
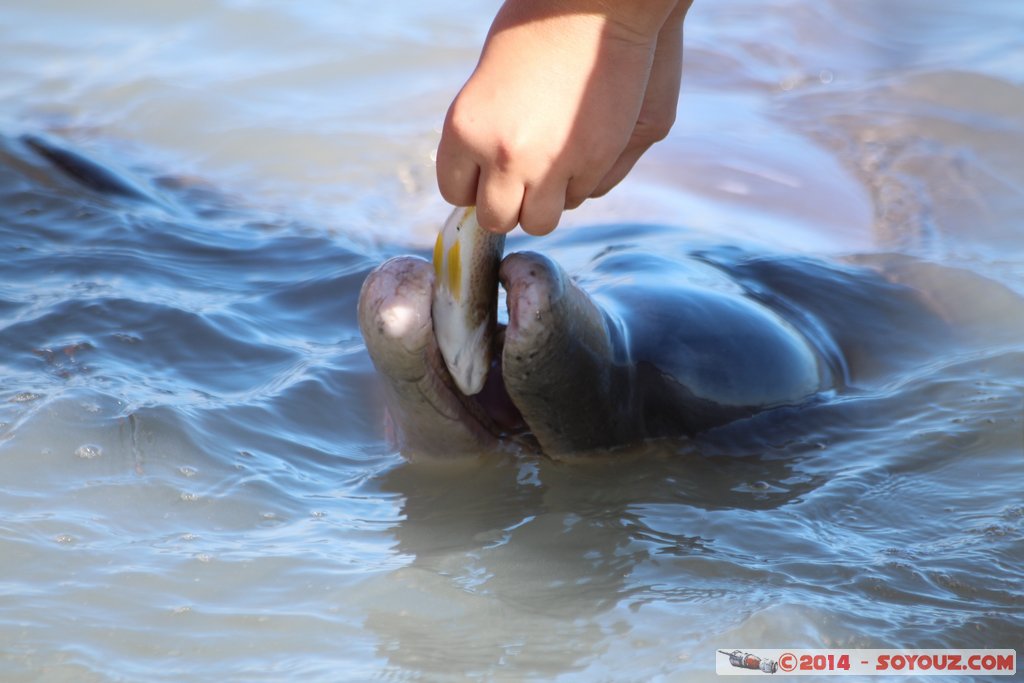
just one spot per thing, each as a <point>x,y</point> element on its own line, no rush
<point>429,415</point>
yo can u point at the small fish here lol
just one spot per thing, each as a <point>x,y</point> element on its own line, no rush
<point>466,260</point>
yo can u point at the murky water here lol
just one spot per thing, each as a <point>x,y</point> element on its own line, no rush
<point>194,479</point>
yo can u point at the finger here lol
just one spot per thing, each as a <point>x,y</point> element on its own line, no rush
<point>658,111</point>
<point>499,199</point>
<point>619,170</point>
<point>457,176</point>
<point>581,187</point>
<point>542,208</point>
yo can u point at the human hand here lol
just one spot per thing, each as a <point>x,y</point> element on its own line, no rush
<point>566,98</point>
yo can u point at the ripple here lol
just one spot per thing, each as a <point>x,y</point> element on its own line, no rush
<point>195,483</point>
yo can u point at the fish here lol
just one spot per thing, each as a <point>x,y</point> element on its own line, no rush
<point>465,297</point>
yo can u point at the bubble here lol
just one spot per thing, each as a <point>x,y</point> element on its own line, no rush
<point>187,471</point>
<point>189,497</point>
<point>826,76</point>
<point>789,82</point>
<point>88,451</point>
<point>64,539</point>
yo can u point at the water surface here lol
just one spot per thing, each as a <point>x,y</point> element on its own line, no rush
<point>195,479</point>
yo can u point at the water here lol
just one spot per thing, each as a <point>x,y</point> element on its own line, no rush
<point>195,482</point>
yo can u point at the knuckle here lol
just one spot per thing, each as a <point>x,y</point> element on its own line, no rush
<point>504,155</point>
<point>656,128</point>
<point>460,120</point>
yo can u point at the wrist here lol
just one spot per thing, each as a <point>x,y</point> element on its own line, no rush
<point>645,19</point>
<point>637,20</point>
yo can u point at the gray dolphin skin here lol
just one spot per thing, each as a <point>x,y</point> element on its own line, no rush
<point>646,355</point>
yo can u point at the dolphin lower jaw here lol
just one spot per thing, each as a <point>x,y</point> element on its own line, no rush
<point>429,415</point>
<point>557,361</point>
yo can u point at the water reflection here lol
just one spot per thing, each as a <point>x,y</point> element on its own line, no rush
<point>528,561</point>
<point>194,479</point>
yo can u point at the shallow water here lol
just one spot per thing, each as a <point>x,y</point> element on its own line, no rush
<point>195,481</point>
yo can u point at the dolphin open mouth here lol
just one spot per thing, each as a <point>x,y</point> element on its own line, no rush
<point>494,399</point>
<point>553,384</point>
<point>428,412</point>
